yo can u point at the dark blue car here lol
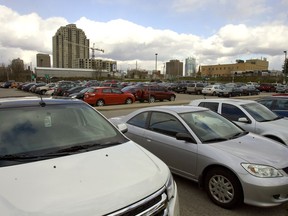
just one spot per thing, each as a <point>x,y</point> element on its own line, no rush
<point>276,103</point>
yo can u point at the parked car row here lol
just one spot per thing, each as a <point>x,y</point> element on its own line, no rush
<point>103,93</point>
<point>220,90</point>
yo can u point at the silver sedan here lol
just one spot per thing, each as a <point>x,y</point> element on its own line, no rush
<point>232,165</point>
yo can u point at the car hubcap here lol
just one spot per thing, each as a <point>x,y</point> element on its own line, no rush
<point>221,189</point>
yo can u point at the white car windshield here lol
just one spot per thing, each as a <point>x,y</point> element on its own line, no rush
<point>259,112</point>
<point>37,130</point>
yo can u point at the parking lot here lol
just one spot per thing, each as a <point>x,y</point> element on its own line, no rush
<point>193,201</point>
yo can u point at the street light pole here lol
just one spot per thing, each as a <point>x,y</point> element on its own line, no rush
<point>156,62</point>
<point>285,66</point>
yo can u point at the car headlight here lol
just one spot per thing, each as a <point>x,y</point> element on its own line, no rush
<point>170,187</point>
<point>261,171</point>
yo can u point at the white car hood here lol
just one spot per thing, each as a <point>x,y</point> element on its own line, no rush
<point>87,184</point>
<point>256,149</point>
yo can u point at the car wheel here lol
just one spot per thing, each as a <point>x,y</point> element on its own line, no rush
<point>172,98</point>
<point>223,188</point>
<point>151,99</point>
<point>42,92</point>
<point>214,93</point>
<point>100,103</point>
<point>128,101</point>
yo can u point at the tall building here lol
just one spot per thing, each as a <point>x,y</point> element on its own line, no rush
<point>174,69</point>
<point>43,60</point>
<point>190,66</point>
<point>69,44</point>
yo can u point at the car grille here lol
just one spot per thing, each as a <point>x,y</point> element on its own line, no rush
<point>154,205</point>
<point>286,170</point>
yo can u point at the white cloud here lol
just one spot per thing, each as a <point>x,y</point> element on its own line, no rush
<point>24,36</point>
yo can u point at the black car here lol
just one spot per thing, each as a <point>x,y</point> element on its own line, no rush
<point>180,88</point>
<point>73,90</point>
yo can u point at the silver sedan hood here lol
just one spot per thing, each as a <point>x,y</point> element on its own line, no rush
<point>253,148</point>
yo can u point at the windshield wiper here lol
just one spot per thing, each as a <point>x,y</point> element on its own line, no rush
<point>218,139</point>
<point>239,134</point>
<point>81,148</point>
<point>17,157</point>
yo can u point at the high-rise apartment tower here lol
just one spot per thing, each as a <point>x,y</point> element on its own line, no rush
<point>69,44</point>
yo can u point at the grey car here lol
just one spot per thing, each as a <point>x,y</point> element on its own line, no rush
<point>249,115</point>
<point>232,165</point>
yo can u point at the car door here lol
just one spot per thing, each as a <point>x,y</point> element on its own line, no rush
<point>179,155</point>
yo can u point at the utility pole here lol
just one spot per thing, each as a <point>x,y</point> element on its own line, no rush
<point>285,67</point>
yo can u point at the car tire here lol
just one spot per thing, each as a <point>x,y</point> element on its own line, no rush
<point>151,99</point>
<point>223,188</point>
<point>129,101</point>
<point>100,102</point>
<point>172,98</point>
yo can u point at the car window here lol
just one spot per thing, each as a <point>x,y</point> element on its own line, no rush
<point>281,105</point>
<point>106,91</point>
<point>232,112</point>
<point>166,124</point>
<point>116,91</point>
<point>210,105</point>
<point>267,103</point>
<point>259,112</point>
<point>139,120</point>
<point>34,129</point>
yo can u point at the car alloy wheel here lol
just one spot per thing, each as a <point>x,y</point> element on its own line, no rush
<point>151,99</point>
<point>223,188</point>
<point>128,101</point>
<point>172,98</point>
<point>100,103</point>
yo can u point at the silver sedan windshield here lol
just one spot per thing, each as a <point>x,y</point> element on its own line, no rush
<point>211,127</point>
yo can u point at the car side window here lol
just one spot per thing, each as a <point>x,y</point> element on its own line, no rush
<point>166,124</point>
<point>232,112</point>
<point>281,104</point>
<point>210,105</point>
<point>116,91</point>
<point>267,103</point>
<point>139,120</point>
<point>106,91</point>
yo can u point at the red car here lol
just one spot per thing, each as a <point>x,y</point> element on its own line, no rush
<point>100,96</point>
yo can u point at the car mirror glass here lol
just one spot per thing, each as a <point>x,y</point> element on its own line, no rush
<point>186,137</point>
<point>122,127</point>
<point>244,120</point>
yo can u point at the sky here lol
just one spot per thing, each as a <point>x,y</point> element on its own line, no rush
<point>131,32</point>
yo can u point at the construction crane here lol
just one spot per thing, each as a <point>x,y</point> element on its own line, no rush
<point>93,50</point>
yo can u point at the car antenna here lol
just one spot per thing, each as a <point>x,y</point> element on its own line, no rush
<point>42,103</point>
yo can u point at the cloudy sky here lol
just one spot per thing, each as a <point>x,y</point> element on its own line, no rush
<point>132,31</point>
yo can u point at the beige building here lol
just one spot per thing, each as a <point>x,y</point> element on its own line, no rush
<point>43,60</point>
<point>240,67</point>
<point>98,64</point>
<point>69,45</point>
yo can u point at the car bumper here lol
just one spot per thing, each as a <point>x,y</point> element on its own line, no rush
<point>174,209</point>
<point>265,192</point>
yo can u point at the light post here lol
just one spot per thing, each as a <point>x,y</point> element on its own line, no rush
<point>285,66</point>
<point>156,54</point>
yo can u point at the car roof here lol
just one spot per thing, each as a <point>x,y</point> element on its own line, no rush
<point>175,108</point>
<point>225,100</point>
<point>34,101</point>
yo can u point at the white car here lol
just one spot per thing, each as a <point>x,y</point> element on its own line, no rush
<point>61,157</point>
<point>250,115</point>
<point>211,89</point>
